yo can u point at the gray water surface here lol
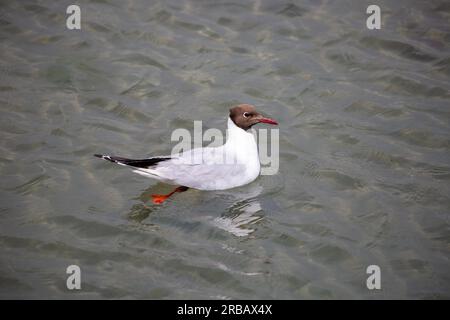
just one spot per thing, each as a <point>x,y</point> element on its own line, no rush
<point>364,149</point>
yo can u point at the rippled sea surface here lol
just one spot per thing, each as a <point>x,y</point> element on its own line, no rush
<point>364,149</point>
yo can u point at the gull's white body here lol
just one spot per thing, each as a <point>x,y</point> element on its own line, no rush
<point>233,164</point>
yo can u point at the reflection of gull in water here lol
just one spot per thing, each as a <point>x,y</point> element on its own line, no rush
<point>240,208</point>
<point>239,222</point>
<point>242,213</point>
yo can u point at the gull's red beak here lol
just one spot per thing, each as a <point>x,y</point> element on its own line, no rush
<point>267,120</point>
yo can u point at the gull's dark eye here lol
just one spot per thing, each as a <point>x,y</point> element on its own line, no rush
<point>246,114</point>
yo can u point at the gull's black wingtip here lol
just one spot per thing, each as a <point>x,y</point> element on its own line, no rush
<point>138,163</point>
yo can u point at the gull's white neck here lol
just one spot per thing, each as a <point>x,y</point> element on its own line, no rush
<point>242,143</point>
<point>236,134</point>
<point>241,146</point>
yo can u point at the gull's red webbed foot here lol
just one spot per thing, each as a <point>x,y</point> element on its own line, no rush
<point>160,198</point>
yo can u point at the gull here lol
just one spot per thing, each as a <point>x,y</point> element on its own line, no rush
<point>235,163</point>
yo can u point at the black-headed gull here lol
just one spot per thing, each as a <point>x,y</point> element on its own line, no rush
<point>233,164</point>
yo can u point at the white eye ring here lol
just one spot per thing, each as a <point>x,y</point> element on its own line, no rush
<point>246,114</point>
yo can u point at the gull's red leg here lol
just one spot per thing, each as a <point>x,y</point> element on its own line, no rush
<point>160,198</point>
